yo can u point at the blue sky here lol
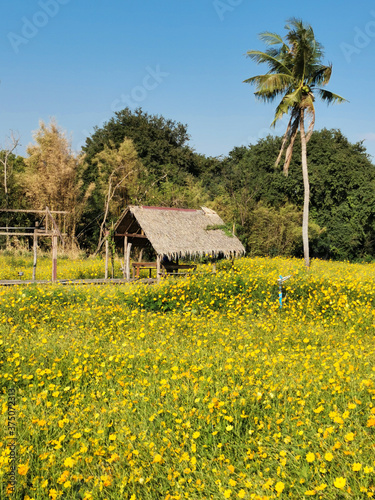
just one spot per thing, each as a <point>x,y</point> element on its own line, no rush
<point>80,60</point>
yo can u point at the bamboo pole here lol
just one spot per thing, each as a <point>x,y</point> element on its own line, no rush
<point>158,268</point>
<point>35,249</point>
<point>54,257</point>
<point>128,261</point>
<point>106,257</point>
<point>125,256</point>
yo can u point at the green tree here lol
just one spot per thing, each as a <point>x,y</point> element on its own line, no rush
<point>118,170</point>
<point>342,185</point>
<point>161,144</point>
<point>296,73</point>
<point>170,167</point>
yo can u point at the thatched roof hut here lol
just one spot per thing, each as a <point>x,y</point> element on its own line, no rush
<point>177,232</point>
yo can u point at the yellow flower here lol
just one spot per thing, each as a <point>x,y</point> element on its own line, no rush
<point>322,487</point>
<point>112,437</point>
<point>69,462</point>
<point>319,409</point>
<point>328,456</point>
<point>64,476</point>
<point>77,435</point>
<point>356,467</point>
<point>227,493</point>
<point>22,469</point>
<point>279,486</point>
<point>340,482</point>
<point>107,480</point>
<point>349,436</point>
<point>241,494</point>
<point>196,435</point>
<point>157,458</point>
<point>310,457</point>
<point>113,458</point>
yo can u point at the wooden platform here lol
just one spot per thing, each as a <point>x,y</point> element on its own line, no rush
<point>115,281</point>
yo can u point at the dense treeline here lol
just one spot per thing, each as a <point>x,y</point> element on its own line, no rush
<point>137,158</point>
<point>267,205</point>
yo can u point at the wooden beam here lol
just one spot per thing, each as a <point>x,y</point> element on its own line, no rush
<point>40,234</point>
<point>8,228</point>
<point>32,211</point>
<point>131,235</point>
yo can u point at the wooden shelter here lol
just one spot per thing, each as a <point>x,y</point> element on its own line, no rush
<point>174,233</point>
<point>49,230</point>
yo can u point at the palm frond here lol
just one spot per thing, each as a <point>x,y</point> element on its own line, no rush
<point>330,97</point>
<point>267,95</point>
<point>273,82</point>
<point>294,98</point>
<point>273,63</point>
<point>271,38</point>
<point>290,102</point>
<point>308,103</point>
<point>321,75</point>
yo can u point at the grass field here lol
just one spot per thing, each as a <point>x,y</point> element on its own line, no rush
<point>197,388</point>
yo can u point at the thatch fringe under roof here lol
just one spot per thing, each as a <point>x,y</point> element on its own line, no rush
<point>177,232</point>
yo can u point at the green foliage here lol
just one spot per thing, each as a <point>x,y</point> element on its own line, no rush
<point>255,195</point>
<point>168,176</point>
<point>277,231</point>
<point>224,227</point>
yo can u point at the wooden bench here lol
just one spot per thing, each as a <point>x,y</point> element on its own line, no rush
<point>142,265</point>
<point>175,268</point>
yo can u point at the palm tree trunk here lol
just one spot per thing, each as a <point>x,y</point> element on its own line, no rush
<point>306,186</point>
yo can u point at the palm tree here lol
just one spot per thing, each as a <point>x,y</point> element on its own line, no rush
<point>295,74</point>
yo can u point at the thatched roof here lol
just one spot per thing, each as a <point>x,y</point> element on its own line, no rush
<point>178,232</point>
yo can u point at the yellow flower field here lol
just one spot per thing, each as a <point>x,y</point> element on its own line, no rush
<point>196,388</point>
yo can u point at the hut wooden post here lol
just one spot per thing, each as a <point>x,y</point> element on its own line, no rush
<point>106,257</point>
<point>54,256</point>
<point>158,274</point>
<point>35,248</point>
<point>127,267</point>
<point>125,257</point>
<point>46,219</point>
